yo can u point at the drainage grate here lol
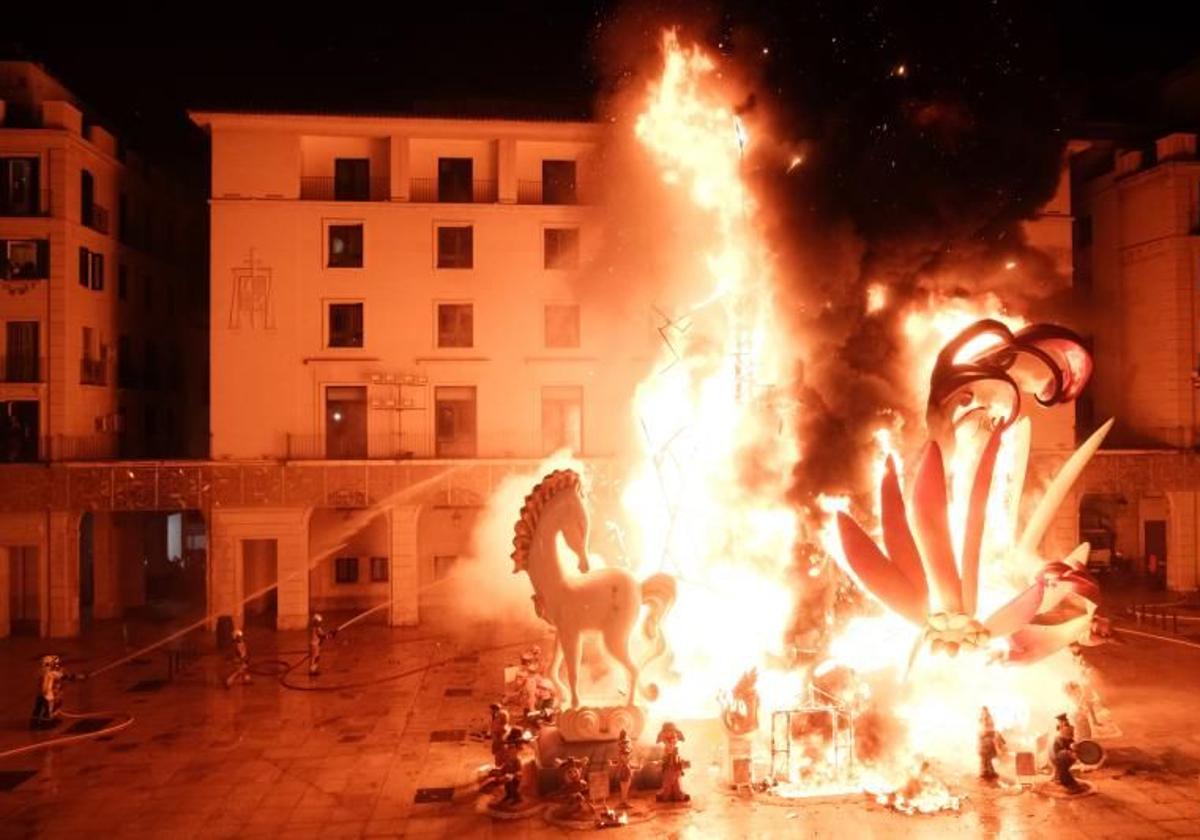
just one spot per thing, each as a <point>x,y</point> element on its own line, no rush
<point>12,779</point>
<point>459,692</point>
<point>445,736</point>
<point>427,795</point>
<point>351,738</point>
<point>467,657</point>
<point>87,725</point>
<point>123,747</point>
<point>148,685</point>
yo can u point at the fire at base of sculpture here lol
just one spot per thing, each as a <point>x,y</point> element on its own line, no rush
<point>601,724</point>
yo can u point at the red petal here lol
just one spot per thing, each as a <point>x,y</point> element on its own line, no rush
<point>931,519</point>
<point>1016,613</point>
<point>1037,641</point>
<point>897,538</point>
<point>880,577</point>
<point>976,519</point>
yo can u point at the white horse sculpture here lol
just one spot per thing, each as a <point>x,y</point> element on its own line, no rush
<point>606,600</point>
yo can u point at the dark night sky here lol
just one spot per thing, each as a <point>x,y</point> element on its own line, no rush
<point>141,71</point>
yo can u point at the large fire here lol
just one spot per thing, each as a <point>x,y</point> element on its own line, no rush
<point>717,397</point>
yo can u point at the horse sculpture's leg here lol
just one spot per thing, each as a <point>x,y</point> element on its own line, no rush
<point>556,663</point>
<point>570,649</point>
<point>617,642</point>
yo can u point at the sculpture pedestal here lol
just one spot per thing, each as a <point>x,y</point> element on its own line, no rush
<point>603,723</point>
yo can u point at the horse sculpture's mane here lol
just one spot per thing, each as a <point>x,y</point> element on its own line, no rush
<point>541,495</point>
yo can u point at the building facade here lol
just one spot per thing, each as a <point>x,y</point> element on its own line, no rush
<point>1138,265</point>
<point>403,314</point>
<point>101,264</point>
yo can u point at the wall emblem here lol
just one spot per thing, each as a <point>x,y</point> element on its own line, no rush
<point>252,305</point>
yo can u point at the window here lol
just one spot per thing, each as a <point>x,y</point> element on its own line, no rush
<point>91,270</point>
<point>562,325</point>
<point>562,419</point>
<point>22,345</point>
<point>345,246</point>
<point>455,246</point>
<point>558,182</point>
<point>455,179</point>
<point>123,218</point>
<point>345,421</point>
<point>25,259</point>
<point>352,179</point>
<point>561,247</point>
<point>443,564</point>
<point>19,186</point>
<point>455,325</point>
<point>345,570</point>
<point>454,408</point>
<point>97,275</point>
<point>87,198</point>
<point>122,282</point>
<point>345,325</point>
<point>379,569</point>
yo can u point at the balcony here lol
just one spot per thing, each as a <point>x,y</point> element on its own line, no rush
<point>26,205</point>
<point>430,191</point>
<point>22,369</point>
<point>93,371</point>
<point>371,448</point>
<point>96,217</point>
<point>535,192</point>
<point>322,188</point>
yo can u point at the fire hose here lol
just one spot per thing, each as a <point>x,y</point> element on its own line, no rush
<point>67,739</point>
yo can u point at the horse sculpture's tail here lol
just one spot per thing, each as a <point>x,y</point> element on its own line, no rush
<point>658,595</point>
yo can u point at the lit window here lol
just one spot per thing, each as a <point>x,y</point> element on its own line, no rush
<point>562,325</point>
<point>455,325</point>
<point>345,325</point>
<point>561,248</point>
<point>562,419</point>
<point>379,569</point>
<point>455,247</point>
<point>345,246</point>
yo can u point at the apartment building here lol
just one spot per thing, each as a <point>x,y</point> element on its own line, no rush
<point>1138,263</point>
<point>101,265</point>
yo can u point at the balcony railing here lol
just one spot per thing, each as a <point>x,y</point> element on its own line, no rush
<point>321,448</point>
<point>428,191</point>
<point>21,369</point>
<point>533,192</point>
<point>29,205</point>
<point>21,448</point>
<point>93,371</point>
<point>96,217</point>
<point>325,188</point>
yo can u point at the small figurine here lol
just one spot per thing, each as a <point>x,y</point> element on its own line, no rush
<point>498,729</point>
<point>509,767</point>
<point>990,743</point>
<point>1062,755</point>
<point>575,790</point>
<point>241,660</point>
<point>317,634</point>
<point>672,765</point>
<point>624,766</point>
<point>49,698</point>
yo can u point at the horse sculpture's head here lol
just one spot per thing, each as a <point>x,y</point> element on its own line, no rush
<point>556,501</point>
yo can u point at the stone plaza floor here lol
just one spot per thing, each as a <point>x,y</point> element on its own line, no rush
<point>390,728</point>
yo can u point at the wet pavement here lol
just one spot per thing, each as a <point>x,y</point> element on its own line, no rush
<point>383,748</point>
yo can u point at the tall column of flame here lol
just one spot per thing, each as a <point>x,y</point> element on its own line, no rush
<point>707,401</point>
